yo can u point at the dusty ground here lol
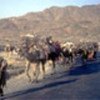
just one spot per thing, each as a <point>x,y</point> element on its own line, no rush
<point>75,83</point>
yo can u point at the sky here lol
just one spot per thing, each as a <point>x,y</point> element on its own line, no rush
<point>10,8</point>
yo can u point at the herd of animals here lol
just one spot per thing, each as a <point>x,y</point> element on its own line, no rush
<point>41,50</point>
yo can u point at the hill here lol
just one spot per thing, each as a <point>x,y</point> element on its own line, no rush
<point>69,23</point>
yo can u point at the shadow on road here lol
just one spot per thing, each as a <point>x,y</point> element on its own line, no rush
<point>31,90</point>
<point>85,69</point>
<point>89,68</point>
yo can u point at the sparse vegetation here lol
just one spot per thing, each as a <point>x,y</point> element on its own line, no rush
<point>69,23</point>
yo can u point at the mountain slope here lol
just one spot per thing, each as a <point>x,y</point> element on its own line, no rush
<point>68,23</point>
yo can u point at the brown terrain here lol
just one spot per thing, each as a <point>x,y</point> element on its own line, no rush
<point>69,23</point>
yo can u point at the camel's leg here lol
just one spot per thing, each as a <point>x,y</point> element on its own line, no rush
<point>27,70</point>
<point>53,67</point>
<point>43,69</point>
<point>37,71</point>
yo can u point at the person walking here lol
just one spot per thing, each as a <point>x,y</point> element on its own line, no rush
<point>3,74</point>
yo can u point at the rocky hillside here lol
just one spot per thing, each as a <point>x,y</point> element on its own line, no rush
<point>70,23</point>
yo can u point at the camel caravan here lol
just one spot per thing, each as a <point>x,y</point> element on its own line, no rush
<point>39,50</point>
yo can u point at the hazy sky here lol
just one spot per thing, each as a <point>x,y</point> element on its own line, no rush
<point>9,8</point>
